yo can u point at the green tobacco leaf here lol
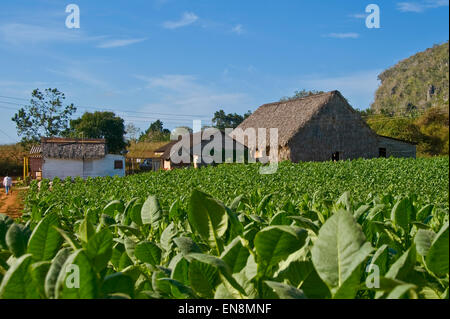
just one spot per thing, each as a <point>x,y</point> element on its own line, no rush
<point>99,249</point>
<point>148,252</point>
<point>424,212</point>
<point>423,241</point>
<point>275,243</point>
<point>151,212</point>
<point>77,278</point>
<point>203,278</point>
<point>400,291</point>
<point>16,240</point>
<point>45,240</point>
<point>402,214</point>
<point>68,239</point>
<point>38,273</point>
<point>339,250</point>
<point>235,203</point>
<point>381,259</point>
<point>285,291</point>
<point>208,218</point>
<point>166,237</point>
<point>53,272</point>
<point>438,256</point>
<point>223,268</point>
<point>235,255</point>
<point>112,207</point>
<point>17,282</point>
<point>306,223</point>
<point>403,266</point>
<point>187,246</point>
<point>118,283</point>
<point>86,230</point>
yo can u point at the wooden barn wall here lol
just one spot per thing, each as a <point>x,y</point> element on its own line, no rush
<point>396,148</point>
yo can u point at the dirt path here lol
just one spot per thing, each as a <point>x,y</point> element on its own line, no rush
<point>10,205</point>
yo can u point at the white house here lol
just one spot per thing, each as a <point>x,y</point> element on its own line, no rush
<point>64,157</point>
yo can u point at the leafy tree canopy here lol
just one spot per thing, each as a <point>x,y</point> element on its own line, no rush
<point>45,116</point>
<point>100,125</point>
<point>221,120</point>
<point>155,133</point>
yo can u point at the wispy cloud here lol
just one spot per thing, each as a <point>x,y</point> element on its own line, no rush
<point>119,43</point>
<point>187,94</point>
<point>187,19</point>
<point>238,29</point>
<point>358,15</point>
<point>18,33</point>
<point>349,35</point>
<point>76,72</point>
<point>421,6</point>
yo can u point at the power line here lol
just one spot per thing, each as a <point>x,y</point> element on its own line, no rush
<point>109,109</point>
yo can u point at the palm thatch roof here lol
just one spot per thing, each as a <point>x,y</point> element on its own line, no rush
<point>208,134</point>
<point>73,148</point>
<point>145,150</point>
<point>288,116</point>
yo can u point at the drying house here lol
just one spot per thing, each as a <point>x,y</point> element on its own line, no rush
<point>322,127</point>
<point>63,157</point>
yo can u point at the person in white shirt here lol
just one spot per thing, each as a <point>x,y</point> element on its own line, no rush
<point>7,182</point>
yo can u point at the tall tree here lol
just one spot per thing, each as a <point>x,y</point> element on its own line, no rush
<point>221,120</point>
<point>45,116</point>
<point>131,132</point>
<point>101,125</point>
<point>155,133</point>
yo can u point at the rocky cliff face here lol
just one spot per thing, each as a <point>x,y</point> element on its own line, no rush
<point>415,84</point>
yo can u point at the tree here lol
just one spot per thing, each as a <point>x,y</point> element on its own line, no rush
<point>45,116</point>
<point>301,94</point>
<point>155,133</point>
<point>131,132</point>
<point>100,125</point>
<point>222,121</point>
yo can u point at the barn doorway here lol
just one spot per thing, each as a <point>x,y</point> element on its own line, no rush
<point>335,157</point>
<point>382,152</point>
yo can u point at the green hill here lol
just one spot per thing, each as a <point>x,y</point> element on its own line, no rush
<point>415,84</point>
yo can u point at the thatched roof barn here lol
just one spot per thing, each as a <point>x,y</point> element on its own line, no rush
<point>64,157</point>
<point>196,148</point>
<point>65,148</point>
<point>318,128</point>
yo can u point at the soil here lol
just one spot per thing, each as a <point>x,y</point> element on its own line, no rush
<point>11,204</point>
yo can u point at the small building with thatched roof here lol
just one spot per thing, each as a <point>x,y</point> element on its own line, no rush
<point>199,150</point>
<point>320,127</point>
<point>64,157</point>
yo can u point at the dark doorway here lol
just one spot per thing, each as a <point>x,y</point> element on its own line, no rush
<point>335,156</point>
<point>382,152</point>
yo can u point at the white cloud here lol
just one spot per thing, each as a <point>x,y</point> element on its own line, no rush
<point>421,6</point>
<point>238,29</point>
<point>119,43</point>
<point>349,35</point>
<point>187,19</point>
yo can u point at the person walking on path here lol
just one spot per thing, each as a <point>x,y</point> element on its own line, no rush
<point>7,182</point>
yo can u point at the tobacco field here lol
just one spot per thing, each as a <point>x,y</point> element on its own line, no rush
<point>364,229</point>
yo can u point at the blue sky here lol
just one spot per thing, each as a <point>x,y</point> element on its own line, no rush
<point>177,60</point>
